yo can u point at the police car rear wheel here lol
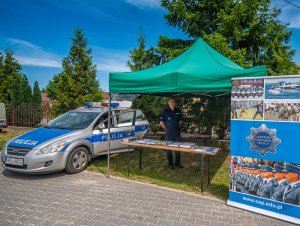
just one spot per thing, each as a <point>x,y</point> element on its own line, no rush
<point>78,160</point>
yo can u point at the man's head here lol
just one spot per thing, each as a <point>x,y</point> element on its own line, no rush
<point>293,173</point>
<point>278,176</point>
<point>267,175</point>
<point>256,172</point>
<point>292,177</point>
<point>172,103</point>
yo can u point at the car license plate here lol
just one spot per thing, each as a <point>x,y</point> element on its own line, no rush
<point>14,161</point>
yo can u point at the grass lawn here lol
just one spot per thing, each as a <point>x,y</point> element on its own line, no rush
<point>8,133</point>
<point>155,171</point>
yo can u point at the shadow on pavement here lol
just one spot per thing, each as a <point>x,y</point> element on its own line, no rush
<point>22,176</point>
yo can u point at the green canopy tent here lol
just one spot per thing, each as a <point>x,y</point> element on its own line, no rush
<point>200,69</point>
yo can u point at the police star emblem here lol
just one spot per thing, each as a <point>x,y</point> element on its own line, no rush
<point>263,140</point>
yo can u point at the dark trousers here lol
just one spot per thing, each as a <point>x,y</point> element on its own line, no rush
<point>234,114</point>
<point>173,137</point>
<point>258,113</point>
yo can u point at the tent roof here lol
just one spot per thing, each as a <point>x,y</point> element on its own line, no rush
<point>200,69</point>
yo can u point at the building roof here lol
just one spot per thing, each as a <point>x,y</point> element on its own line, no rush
<point>45,98</point>
<point>105,96</point>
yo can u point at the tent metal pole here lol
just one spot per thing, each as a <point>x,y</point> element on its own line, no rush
<point>223,94</point>
<point>108,135</point>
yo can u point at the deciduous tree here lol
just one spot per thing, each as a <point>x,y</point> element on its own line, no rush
<point>246,31</point>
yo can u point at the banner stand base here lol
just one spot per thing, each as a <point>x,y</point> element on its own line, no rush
<point>264,212</point>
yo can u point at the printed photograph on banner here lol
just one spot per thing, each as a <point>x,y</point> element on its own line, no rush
<point>282,88</point>
<point>247,109</point>
<point>247,89</point>
<point>282,110</point>
<point>277,181</point>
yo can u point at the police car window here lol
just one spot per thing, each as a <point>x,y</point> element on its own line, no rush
<point>125,117</point>
<point>139,115</point>
<point>104,119</point>
<point>73,120</point>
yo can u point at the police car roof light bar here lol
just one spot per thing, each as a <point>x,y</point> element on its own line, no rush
<point>88,104</point>
<point>114,105</point>
<point>100,104</point>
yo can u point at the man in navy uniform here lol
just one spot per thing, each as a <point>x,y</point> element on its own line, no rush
<point>238,178</point>
<point>256,183</point>
<point>279,176</point>
<point>255,173</point>
<point>245,176</point>
<point>268,189</point>
<point>171,122</point>
<point>292,191</point>
<point>234,178</point>
<point>249,179</point>
<point>234,110</point>
<point>266,176</point>
<point>259,110</point>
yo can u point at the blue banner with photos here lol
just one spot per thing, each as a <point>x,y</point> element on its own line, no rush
<point>265,146</point>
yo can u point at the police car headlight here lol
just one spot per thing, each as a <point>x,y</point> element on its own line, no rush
<point>55,147</point>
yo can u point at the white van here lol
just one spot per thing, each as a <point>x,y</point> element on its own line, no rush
<point>2,117</point>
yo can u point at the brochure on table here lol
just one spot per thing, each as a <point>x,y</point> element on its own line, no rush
<point>265,146</point>
<point>196,148</point>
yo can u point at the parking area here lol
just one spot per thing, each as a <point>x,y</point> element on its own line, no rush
<point>92,199</point>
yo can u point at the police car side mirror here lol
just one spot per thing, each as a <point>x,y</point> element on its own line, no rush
<point>101,126</point>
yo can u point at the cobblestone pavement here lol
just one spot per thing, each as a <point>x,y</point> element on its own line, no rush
<point>93,199</point>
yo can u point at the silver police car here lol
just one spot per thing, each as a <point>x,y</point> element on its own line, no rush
<point>70,141</point>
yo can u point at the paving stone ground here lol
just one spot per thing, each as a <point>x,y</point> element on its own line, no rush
<point>93,199</point>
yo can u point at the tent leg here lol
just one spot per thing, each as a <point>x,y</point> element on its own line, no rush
<point>202,172</point>
<point>108,135</point>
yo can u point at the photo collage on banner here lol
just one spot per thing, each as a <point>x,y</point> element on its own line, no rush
<point>266,179</point>
<point>265,146</point>
<point>247,99</point>
<point>282,100</point>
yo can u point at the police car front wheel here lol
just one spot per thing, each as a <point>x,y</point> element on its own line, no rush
<point>78,160</point>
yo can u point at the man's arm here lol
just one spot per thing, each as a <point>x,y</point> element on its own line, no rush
<point>162,120</point>
<point>162,124</point>
<point>180,119</point>
<point>180,123</point>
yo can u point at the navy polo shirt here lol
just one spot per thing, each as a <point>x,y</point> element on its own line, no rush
<point>171,119</point>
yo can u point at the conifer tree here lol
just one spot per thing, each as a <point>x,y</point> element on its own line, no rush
<point>10,70</point>
<point>36,94</point>
<point>37,104</point>
<point>77,82</point>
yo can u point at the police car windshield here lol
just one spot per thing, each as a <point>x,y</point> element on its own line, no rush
<point>73,120</point>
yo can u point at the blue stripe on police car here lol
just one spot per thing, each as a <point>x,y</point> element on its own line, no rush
<point>139,128</point>
<point>37,137</point>
<point>113,136</point>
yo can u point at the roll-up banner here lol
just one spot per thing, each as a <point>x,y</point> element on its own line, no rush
<point>265,146</point>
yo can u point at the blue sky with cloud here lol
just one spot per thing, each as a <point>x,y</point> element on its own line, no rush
<point>39,32</point>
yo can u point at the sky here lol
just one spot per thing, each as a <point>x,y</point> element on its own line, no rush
<point>40,32</point>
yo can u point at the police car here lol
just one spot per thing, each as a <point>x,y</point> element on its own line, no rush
<point>70,141</point>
